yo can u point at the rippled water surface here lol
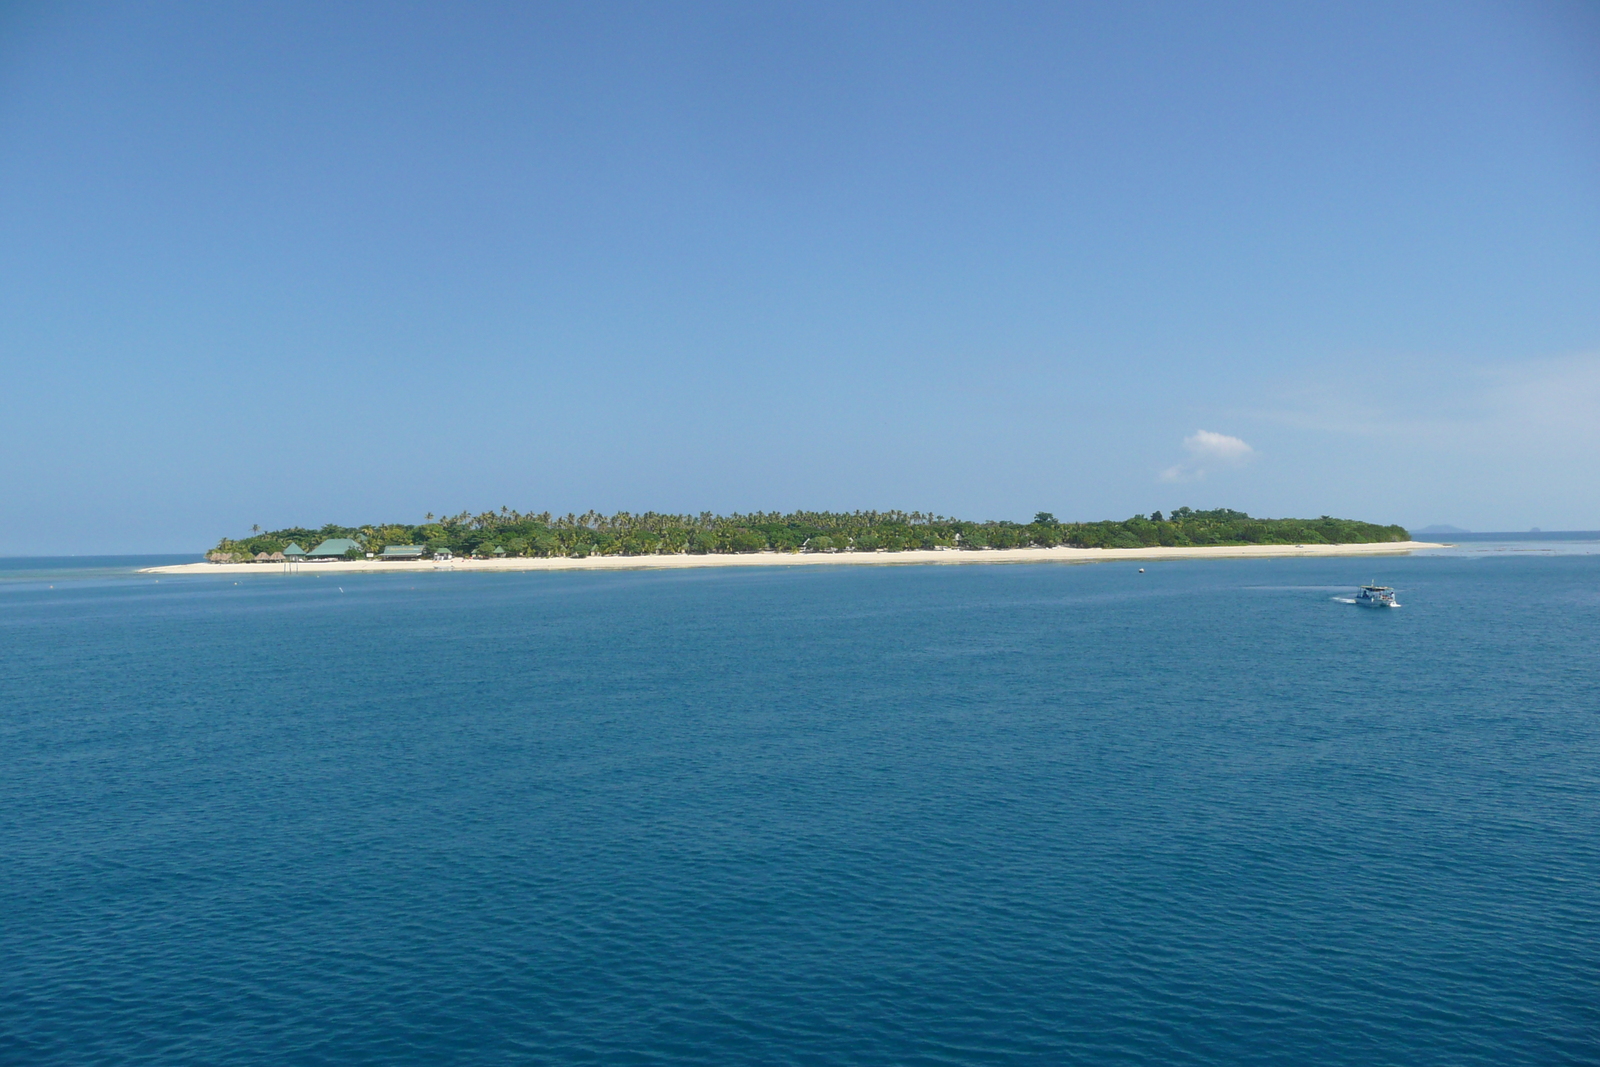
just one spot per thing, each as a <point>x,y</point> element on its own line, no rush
<point>900,815</point>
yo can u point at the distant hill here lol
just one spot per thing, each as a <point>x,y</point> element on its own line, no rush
<point>1441,528</point>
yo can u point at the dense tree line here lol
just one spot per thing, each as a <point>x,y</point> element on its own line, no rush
<point>511,533</point>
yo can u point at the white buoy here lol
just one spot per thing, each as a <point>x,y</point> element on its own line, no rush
<point>1141,570</point>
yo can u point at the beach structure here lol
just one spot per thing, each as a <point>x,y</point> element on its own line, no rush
<point>334,548</point>
<point>442,554</point>
<point>402,552</point>
<point>294,551</point>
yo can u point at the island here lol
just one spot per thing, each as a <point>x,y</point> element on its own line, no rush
<point>509,539</point>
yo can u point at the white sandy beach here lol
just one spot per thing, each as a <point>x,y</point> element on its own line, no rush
<point>816,559</point>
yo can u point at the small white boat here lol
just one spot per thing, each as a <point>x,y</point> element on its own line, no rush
<point>1376,596</point>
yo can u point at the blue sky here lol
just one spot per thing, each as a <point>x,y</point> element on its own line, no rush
<point>289,264</point>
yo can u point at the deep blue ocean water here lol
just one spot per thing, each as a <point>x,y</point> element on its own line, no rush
<point>901,815</point>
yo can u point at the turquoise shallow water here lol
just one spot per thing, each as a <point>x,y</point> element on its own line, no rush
<point>908,815</point>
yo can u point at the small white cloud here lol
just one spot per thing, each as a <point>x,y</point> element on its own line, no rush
<point>1207,449</point>
<point>1217,446</point>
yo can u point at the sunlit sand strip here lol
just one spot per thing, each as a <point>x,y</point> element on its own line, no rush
<point>810,559</point>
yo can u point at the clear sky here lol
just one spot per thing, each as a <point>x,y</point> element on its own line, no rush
<point>291,264</point>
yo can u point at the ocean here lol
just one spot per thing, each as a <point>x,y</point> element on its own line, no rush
<point>1205,814</point>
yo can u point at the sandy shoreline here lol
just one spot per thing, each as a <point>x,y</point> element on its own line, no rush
<point>794,559</point>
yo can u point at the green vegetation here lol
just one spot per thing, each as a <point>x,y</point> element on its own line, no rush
<point>624,534</point>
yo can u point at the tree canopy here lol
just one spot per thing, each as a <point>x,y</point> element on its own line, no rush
<point>625,534</point>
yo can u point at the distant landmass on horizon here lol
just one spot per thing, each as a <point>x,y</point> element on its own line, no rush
<point>511,533</point>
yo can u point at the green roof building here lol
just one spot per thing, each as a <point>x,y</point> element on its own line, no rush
<point>402,552</point>
<point>293,550</point>
<point>333,548</point>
